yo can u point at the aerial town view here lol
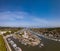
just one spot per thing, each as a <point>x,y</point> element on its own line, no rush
<point>29,25</point>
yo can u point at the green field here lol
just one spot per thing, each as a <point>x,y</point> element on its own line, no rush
<point>2,44</point>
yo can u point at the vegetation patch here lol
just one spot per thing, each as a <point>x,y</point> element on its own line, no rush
<point>2,44</point>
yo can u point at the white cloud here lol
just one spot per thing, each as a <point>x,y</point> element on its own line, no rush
<point>24,19</point>
<point>11,15</point>
<point>40,20</point>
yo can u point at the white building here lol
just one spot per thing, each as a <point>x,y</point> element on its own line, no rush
<point>2,32</point>
<point>25,35</point>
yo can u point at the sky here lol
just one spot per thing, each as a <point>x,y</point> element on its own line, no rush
<point>30,13</point>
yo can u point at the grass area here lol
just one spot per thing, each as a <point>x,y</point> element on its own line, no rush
<point>2,44</point>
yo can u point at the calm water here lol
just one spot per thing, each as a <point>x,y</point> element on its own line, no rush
<point>49,45</point>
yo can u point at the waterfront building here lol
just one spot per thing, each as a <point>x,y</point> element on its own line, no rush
<point>25,35</point>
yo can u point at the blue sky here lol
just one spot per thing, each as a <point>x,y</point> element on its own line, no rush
<point>41,13</point>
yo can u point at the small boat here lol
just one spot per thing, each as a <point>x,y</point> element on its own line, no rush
<point>41,45</point>
<point>18,49</point>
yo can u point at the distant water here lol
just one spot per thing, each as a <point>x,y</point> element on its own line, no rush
<point>49,45</point>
